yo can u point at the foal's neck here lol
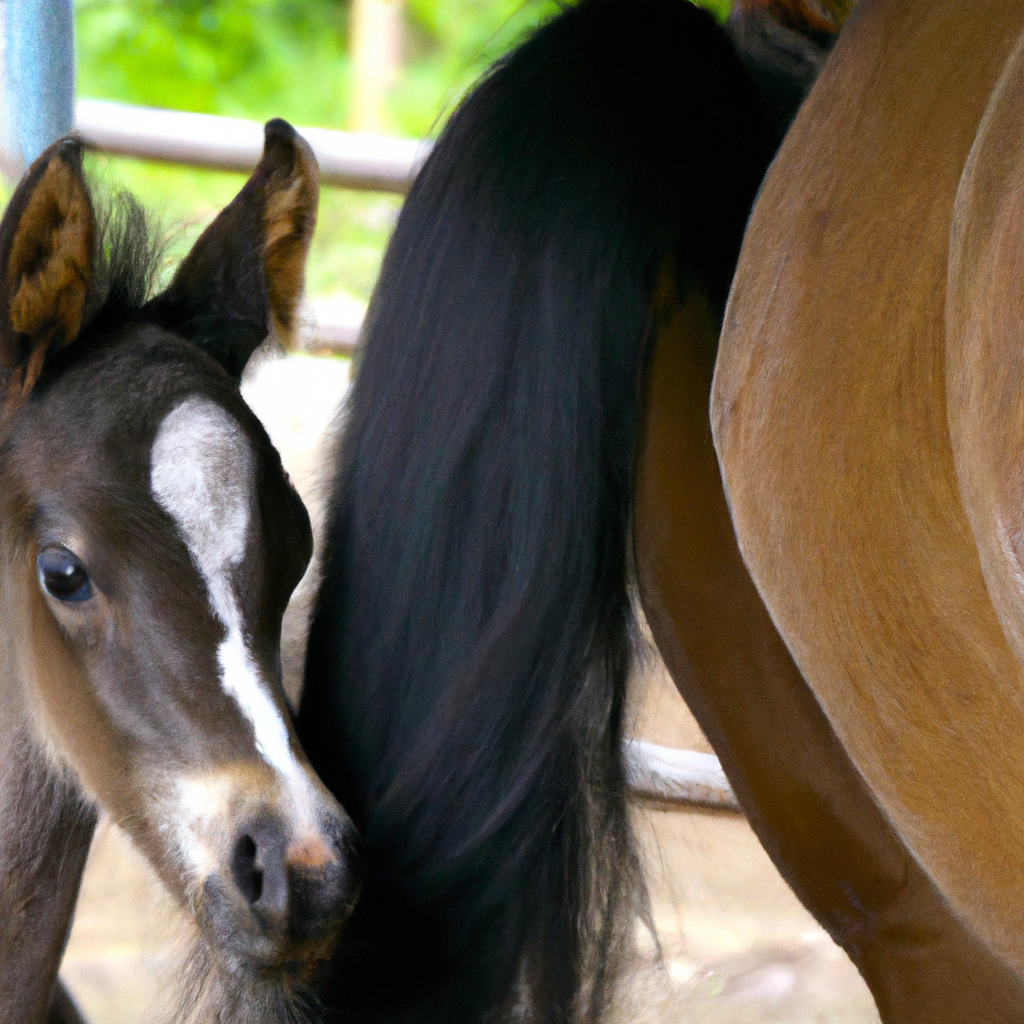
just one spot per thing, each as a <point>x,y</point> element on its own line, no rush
<point>45,830</point>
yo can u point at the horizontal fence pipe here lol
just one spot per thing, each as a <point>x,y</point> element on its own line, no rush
<point>372,163</point>
<point>677,776</point>
<point>331,325</point>
<point>332,339</point>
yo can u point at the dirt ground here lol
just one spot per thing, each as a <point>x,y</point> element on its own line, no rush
<point>735,945</point>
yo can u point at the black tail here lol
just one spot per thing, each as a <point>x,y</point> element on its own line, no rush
<point>467,664</point>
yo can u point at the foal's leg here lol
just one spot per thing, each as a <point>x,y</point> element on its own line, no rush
<point>802,796</point>
<point>45,831</point>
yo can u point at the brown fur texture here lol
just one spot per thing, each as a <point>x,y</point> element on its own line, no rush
<point>289,220</point>
<point>45,836</point>
<point>206,993</point>
<point>985,363</point>
<point>803,797</point>
<point>830,417</point>
<point>48,273</point>
<point>48,267</point>
<point>263,288</point>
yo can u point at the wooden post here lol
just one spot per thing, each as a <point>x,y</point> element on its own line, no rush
<point>37,83</point>
<point>376,48</point>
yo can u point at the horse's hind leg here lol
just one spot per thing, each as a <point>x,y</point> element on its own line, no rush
<point>45,831</point>
<point>802,796</point>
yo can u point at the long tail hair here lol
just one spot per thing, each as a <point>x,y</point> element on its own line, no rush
<point>467,665</point>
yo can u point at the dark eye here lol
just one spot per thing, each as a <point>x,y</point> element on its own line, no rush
<point>62,575</point>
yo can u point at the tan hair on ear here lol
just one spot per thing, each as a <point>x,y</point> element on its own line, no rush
<point>289,218</point>
<point>48,268</point>
<point>48,272</point>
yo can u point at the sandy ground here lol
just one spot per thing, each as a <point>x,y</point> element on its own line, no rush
<point>735,945</point>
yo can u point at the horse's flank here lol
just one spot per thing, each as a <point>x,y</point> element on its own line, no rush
<point>830,416</point>
<point>985,368</point>
<point>806,802</point>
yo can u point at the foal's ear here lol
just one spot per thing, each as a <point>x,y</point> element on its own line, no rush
<point>244,276</point>
<point>46,246</point>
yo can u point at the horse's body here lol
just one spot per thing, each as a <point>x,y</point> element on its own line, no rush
<point>867,414</point>
<point>538,355</point>
<point>149,541</point>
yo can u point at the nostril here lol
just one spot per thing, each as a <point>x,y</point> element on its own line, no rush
<point>295,887</point>
<point>247,874</point>
<point>259,872</point>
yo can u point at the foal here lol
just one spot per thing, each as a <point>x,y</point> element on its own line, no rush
<point>149,542</point>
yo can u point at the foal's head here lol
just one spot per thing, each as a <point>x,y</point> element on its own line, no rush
<point>149,542</point>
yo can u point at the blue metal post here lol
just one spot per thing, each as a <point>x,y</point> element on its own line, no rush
<point>37,87</point>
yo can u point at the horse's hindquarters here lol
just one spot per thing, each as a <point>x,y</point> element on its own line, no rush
<point>803,797</point>
<point>985,362</point>
<point>829,412</point>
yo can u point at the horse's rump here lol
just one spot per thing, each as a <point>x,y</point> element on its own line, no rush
<point>830,416</point>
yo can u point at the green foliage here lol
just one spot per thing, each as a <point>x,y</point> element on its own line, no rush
<point>719,8</point>
<point>289,58</point>
<point>449,43</point>
<point>258,58</point>
<point>249,58</point>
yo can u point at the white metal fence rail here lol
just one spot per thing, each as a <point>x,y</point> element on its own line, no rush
<point>370,162</point>
<point>678,776</point>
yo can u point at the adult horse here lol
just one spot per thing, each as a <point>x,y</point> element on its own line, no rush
<point>149,541</point>
<point>529,417</point>
<point>867,413</point>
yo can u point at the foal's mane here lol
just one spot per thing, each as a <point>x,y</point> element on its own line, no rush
<point>128,256</point>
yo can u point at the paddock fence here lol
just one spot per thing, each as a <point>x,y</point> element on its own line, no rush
<point>680,778</point>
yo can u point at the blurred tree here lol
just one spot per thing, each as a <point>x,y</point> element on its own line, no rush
<point>450,43</point>
<point>250,58</point>
<point>375,49</point>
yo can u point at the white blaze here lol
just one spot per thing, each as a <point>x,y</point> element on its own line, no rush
<point>201,474</point>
